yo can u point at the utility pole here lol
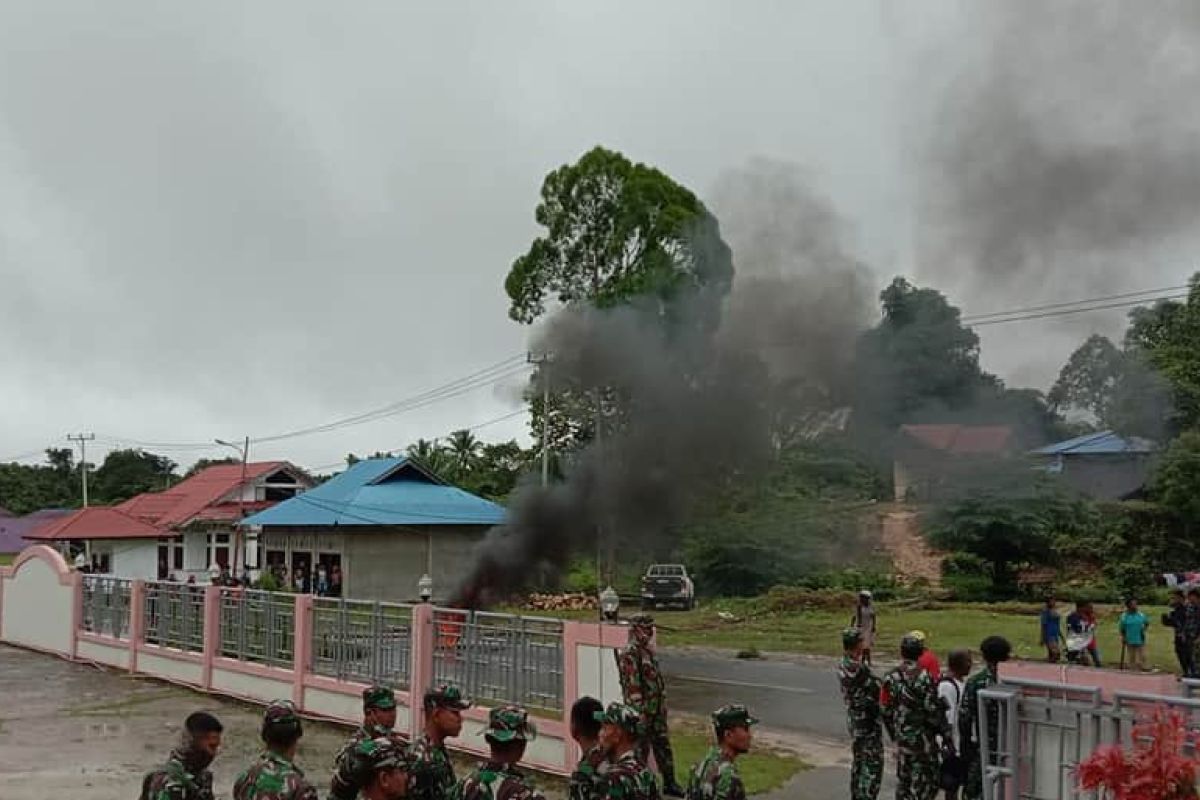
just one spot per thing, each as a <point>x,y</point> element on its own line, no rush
<point>238,538</point>
<point>542,361</point>
<point>82,439</point>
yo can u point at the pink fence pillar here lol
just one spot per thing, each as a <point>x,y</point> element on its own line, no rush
<point>301,646</point>
<point>420,673</point>
<point>212,633</point>
<point>137,623</point>
<point>76,612</point>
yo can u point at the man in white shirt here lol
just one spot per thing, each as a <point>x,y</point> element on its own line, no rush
<point>950,690</point>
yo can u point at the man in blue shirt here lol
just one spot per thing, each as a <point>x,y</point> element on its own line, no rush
<point>1050,623</point>
<point>1132,625</point>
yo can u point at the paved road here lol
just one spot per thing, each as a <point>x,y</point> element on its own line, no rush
<point>785,695</point>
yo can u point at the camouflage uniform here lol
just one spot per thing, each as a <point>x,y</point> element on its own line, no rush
<point>173,781</point>
<point>860,691</point>
<point>496,781</point>
<point>627,777</point>
<point>716,777</point>
<point>968,728</point>
<point>433,773</point>
<point>274,777</point>
<point>914,716</point>
<point>349,767</point>
<point>587,781</point>
<point>643,688</point>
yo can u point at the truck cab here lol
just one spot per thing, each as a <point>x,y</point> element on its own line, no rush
<point>667,585</point>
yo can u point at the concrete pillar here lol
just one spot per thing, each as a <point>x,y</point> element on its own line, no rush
<point>212,633</point>
<point>420,673</point>
<point>137,622</point>
<point>301,646</point>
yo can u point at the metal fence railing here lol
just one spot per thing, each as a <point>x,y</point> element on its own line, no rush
<point>500,657</point>
<point>369,642</point>
<point>105,606</point>
<point>173,616</point>
<point>257,626</point>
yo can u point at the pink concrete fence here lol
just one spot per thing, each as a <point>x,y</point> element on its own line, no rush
<point>175,632</point>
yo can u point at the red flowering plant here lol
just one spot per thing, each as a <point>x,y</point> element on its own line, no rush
<point>1155,769</point>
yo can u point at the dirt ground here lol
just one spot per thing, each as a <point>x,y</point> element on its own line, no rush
<point>69,727</point>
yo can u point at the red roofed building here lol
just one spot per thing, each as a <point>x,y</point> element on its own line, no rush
<point>184,531</point>
<point>926,455</point>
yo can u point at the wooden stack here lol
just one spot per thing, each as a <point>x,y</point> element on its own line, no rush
<point>561,602</point>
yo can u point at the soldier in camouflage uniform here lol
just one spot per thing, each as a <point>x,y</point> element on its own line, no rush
<point>716,777</point>
<point>185,776</point>
<point>643,688</point>
<point>627,776</point>
<point>433,774</point>
<point>275,776</point>
<point>860,691</point>
<point>915,717</point>
<point>379,720</point>
<point>587,781</point>
<point>995,650</point>
<point>508,732</point>
<point>386,768</point>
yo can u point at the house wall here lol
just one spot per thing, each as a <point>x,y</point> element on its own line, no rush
<point>1108,477</point>
<point>135,558</point>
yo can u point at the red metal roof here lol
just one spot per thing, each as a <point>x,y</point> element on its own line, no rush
<point>962,439</point>
<point>97,522</point>
<point>188,499</point>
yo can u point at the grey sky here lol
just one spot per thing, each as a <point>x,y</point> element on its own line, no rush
<point>224,219</point>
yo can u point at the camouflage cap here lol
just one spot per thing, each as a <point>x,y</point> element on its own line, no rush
<point>509,723</point>
<point>641,621</point>
<point>623,716</point>
<point>379,697</point>
<point>851,637</point>
<point>382,753</point>
<point>734,715</point>
<point>447,695</point>
<point>281,713</point>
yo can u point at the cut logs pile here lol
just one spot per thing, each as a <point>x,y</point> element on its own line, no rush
<point>571,601</point>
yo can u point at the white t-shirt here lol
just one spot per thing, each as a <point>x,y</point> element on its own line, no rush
<point>950,690</point>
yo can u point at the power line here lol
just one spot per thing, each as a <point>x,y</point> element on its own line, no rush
<point>1069,303</point>
<point>1069,311</point>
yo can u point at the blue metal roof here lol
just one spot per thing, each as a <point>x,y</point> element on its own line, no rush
<point>1102,443</point>
<point>382,491</point>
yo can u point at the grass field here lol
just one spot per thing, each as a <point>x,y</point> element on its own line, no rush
<point>746,625</point>
<point>6,559</point>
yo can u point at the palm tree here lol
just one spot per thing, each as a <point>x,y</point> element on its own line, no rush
<point>464,450</point>
<point>431,455</point>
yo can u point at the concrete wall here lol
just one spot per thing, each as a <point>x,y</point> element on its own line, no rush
<point>135,559</point>
<point>386,563</point>
<point>41,600</point>
<point>1107,477</point>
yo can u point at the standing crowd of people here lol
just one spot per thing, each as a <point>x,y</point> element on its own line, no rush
<point>378,763</point>
<point>930,715</point>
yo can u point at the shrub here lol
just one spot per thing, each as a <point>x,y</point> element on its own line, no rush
<point>1155,768</point>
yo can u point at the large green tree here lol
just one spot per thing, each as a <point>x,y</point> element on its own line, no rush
<point>1167,335</point>
<point>615,232</point>
<point>126,473</point>
<point>1176,482</point>
<point>1117,388</point>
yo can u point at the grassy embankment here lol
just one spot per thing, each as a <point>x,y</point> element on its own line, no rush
<point>756,624</point>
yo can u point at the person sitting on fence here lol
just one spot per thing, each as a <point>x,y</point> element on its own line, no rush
<point>387,769</point>
<point>432,771</point>
<point>379,720</point>
<point>587,781</point>
<point>508,732</point>
<point>185,776</point>
<point>275,776</point>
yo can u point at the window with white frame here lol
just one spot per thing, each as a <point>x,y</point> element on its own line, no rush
<point>170,556</point>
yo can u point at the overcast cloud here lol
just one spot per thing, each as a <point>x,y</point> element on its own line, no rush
<point>226,219</point>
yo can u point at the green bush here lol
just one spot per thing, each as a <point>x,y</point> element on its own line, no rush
<point>972,588</point>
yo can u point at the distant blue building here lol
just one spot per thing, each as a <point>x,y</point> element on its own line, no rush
<point>1102,465</point>
<point>382,524</point>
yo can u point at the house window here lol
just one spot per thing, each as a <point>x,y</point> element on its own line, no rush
<point>218,550</point>
<point>170,557</point>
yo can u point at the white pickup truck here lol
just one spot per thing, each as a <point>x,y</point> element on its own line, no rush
<point>668,585</point>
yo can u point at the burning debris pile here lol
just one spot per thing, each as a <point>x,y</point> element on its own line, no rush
<point>571,601</point>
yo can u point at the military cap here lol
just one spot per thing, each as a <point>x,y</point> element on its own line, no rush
<point>642,621</point>
<point>378,697</point>
<point>734,715</point>
<point>382,753</point>
<point>622,716</point>
<point>509,723</point>
<point>281,713</point>
<point>851,637</point>
<point>447,695</point>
